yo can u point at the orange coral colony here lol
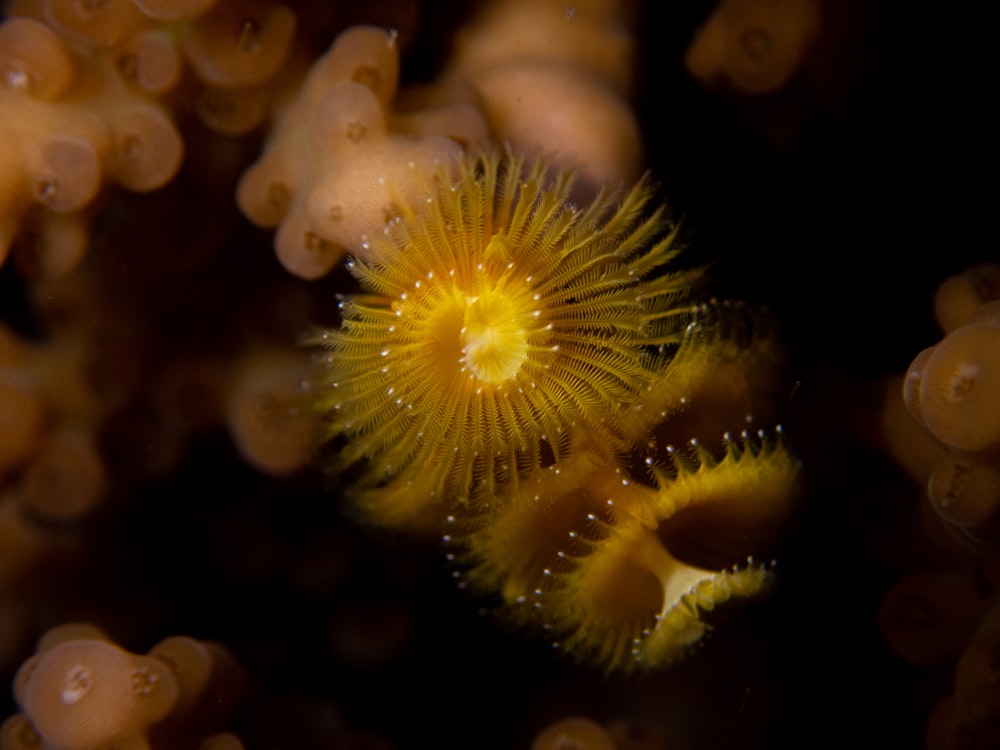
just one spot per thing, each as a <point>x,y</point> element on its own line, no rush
<point>508,375</point>
<point>80,691</point>
<point>952,389</point>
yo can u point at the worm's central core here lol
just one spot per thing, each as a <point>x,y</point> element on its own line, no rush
<point>493,340</point>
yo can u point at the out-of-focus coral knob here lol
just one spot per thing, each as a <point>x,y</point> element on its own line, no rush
<point>363,54</point>
<point>172,10</point>
<point>103,24</point>
<point>574,733</point>
<point>240,44</point>
<point>22,416</point>
<point>33,59</point>
<point>758,46</point>
<point>66,480</point>
<point>958,382</point>
<point>66,173</point>
<point>964,489</point>
<point>927,618</point>
<point>268,413</point>
<point>977,676</point>
<point>224,741</point>
<point>348,116</point>
<point>16,733</point>
<point>90,693</point>
<point>151,61</point>
<point>562,111</point>
<point>958,297</point>
<point>148,149</point>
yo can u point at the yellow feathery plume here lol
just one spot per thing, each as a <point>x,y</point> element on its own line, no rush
<point>495,321</point>
<point>640,596</point>
<point>621,573</point>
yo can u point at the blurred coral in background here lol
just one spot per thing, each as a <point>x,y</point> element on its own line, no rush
<point>192,191</point>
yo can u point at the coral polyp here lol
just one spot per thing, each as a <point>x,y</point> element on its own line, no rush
<point>498,319</point>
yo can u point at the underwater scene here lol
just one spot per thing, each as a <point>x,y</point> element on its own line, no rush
<point>599,375</point>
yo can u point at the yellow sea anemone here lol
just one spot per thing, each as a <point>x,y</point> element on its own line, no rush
<point>496,321</point>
